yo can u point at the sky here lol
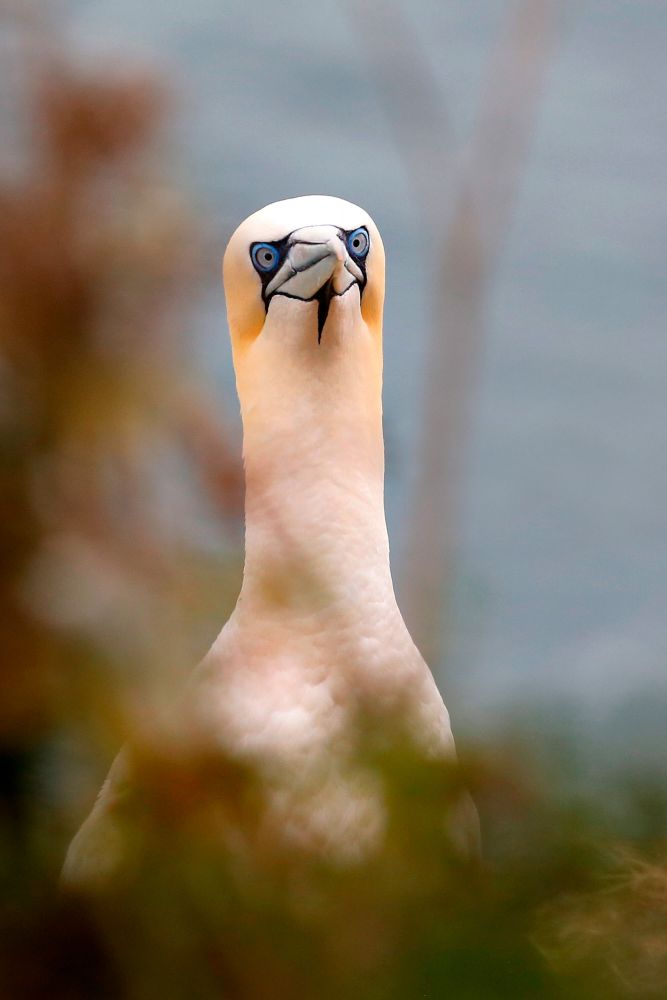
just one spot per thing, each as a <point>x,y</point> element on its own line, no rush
<point>562,576</point>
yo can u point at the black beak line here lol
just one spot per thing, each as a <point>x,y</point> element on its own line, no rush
<point>323,297</point>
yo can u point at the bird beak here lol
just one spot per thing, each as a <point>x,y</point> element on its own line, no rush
<point>317,267</point>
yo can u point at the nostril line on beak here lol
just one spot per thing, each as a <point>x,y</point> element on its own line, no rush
<point>337,247</point>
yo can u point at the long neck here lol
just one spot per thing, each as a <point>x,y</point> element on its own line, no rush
<point>314,459</point>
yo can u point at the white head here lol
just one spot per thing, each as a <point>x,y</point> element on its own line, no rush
<point>307,251</point>
<point>304,283</point>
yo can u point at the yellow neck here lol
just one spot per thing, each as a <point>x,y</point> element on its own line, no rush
<point>313,451</point>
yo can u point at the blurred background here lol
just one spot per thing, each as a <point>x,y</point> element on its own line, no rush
<point>513,155</point>
<point>559,515</point>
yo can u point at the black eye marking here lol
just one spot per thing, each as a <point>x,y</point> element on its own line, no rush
<point>267,258</point>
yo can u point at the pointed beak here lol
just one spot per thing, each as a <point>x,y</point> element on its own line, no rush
<point>317,267</point>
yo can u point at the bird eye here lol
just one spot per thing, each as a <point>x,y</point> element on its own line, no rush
<point>264,256</point>
<point>358,242</point>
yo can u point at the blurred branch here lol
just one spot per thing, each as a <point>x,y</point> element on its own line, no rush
<point>470,251</point>
<point>413,101</point>
<point>472,231</point>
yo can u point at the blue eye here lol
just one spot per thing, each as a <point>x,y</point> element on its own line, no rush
<point>264,257</point>
<point>358,242</point>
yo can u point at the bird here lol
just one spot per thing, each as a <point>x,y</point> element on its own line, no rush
<point>316,631</point>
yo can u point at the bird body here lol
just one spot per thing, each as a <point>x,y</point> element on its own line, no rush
<point>316,632</point>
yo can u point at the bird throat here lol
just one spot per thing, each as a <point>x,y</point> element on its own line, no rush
<point>313,449</point>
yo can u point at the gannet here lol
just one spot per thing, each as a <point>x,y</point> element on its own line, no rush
<point>316,631</point>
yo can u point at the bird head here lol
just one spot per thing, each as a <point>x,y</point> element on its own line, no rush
<point>304,283</point>
<point>288,263</point>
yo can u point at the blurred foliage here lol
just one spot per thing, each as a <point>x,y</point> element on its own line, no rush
<point>109,595</point>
